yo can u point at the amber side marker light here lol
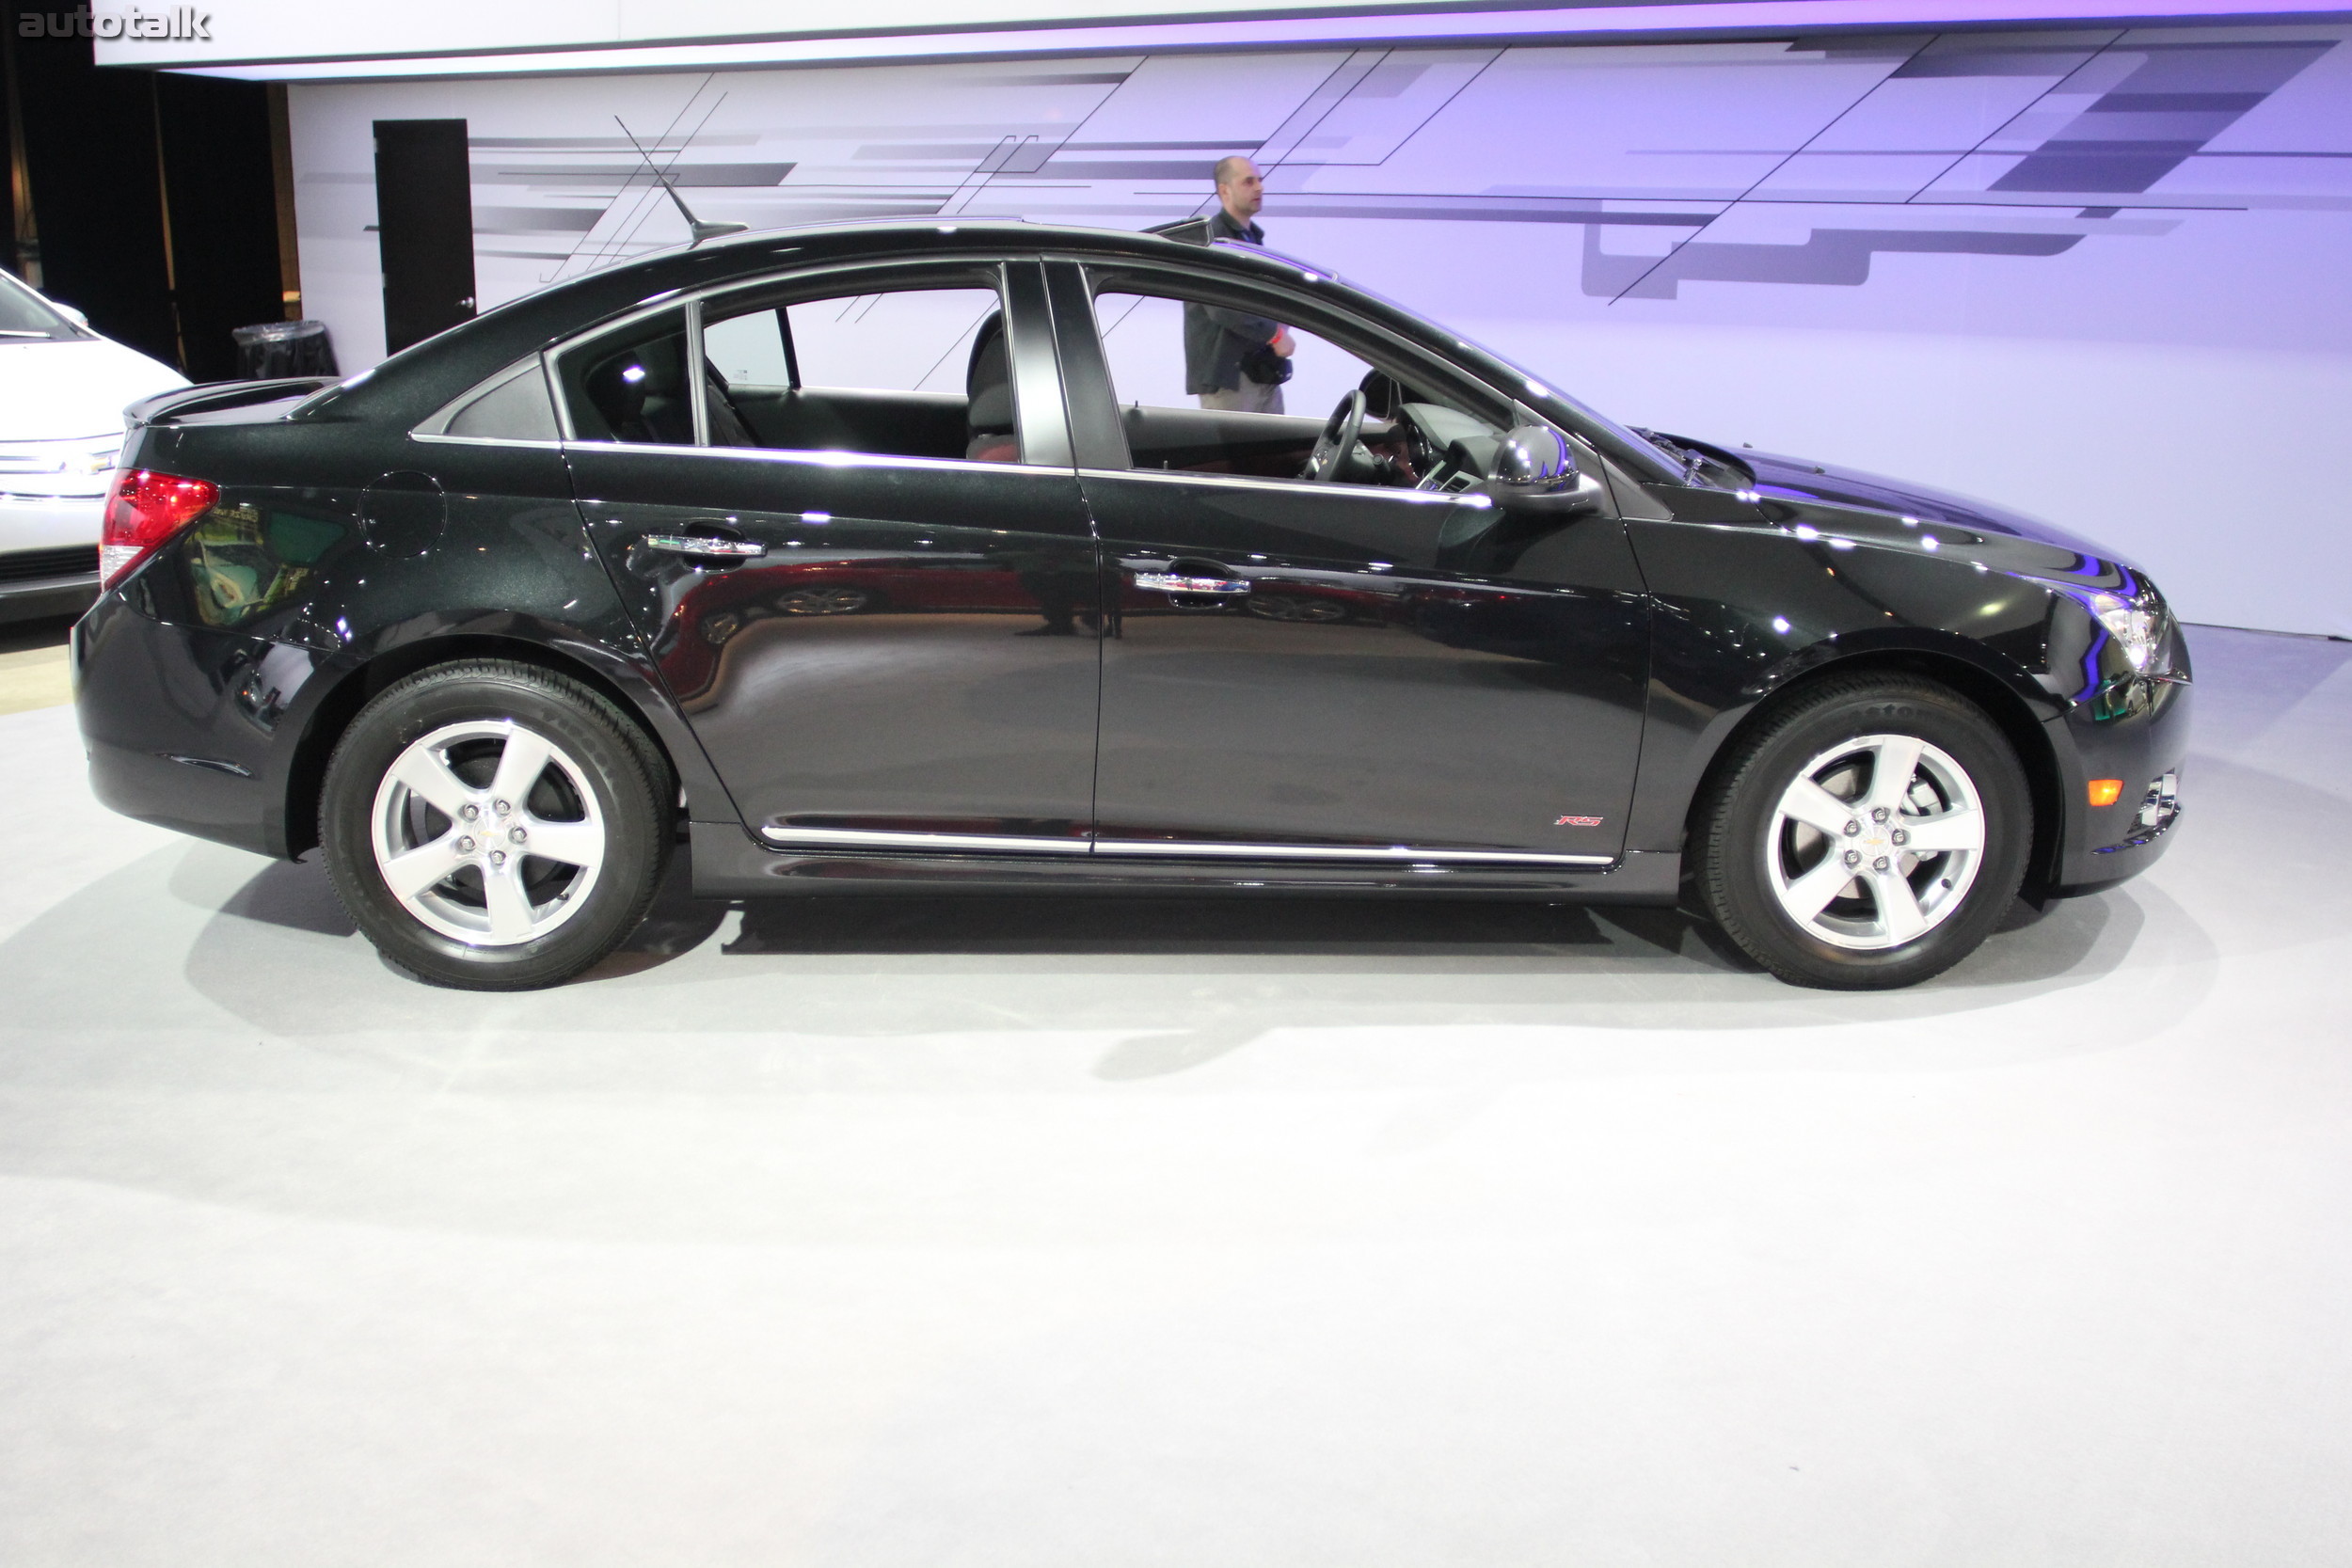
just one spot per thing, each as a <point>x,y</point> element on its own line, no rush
<point>2105,792</point>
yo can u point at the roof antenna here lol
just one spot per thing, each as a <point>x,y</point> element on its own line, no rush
<point>696,225</point>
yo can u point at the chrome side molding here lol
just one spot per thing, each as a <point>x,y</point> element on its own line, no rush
<point>1354,853</point>
<point>1007,844</point>
<point>864,838</point>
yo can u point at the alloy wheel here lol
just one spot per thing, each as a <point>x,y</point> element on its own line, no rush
<point>488,832</point>
<point>1876,842</point>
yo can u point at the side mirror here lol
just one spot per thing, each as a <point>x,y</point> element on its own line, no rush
<point>1536,460</point>
<point>70,313</point>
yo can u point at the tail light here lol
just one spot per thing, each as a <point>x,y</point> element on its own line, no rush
<point>144,512</point>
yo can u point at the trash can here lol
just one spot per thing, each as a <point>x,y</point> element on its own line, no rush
<point>276,349</point>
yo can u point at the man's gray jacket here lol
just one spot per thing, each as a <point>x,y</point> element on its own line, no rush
<point>1214,338</point>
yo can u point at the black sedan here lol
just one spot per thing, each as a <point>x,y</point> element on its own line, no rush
<point>895,558</point>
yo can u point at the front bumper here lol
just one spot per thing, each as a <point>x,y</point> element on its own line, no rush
<point>48,555</point>
<point>2105,845</point>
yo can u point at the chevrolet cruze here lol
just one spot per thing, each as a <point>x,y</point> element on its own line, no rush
<point>894,558</point>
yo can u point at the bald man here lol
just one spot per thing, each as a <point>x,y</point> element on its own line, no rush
<point>1221,346</point>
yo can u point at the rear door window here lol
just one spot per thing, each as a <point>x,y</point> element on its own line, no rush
<point>629,385</point>
<point>905,372</point>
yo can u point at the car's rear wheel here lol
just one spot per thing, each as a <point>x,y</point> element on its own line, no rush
<point>1868,835</point>
<point>494,826</point>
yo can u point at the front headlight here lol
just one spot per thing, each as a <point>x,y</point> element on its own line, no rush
<point>2137,622</point>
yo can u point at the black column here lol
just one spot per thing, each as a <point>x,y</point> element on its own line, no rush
<point>424,227</point>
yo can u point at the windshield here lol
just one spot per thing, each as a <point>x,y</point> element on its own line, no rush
<point>26,314</point>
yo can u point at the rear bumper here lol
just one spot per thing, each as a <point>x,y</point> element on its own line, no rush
<point>180,725</point>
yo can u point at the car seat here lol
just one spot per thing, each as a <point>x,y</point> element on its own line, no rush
<point>641,395</point>
<point>994,433</point>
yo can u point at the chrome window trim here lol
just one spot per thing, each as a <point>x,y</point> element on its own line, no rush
<point>819,458</point>
<point>485,441</point>
<point>697,384</point>
<point>565,431</point>
<point>1286,487</point>
<point>862,838</point>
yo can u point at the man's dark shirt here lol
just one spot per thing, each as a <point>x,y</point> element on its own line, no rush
<point>1214,338</point>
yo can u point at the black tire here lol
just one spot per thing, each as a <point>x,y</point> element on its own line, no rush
<point>1733,832</point>
<point>619,767</point>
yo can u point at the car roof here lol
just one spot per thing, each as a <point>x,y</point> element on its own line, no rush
<point>412,384</point>
<point>482,346</point>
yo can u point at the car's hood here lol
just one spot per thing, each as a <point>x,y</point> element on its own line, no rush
<point>57,391</point>
<point>1802,480</point>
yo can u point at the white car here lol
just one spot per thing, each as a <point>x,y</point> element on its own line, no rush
<point>62,391</point>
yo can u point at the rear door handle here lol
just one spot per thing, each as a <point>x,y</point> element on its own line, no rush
<point>705,546</point>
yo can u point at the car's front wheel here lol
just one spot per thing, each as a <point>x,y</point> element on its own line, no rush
<point>1868,835</point>
<point>492,824</point>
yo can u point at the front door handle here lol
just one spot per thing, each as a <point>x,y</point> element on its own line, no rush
<point>705,545</point>
<point>1185,583</point>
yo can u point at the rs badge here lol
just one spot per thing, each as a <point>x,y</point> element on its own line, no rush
<point>1578,822</point>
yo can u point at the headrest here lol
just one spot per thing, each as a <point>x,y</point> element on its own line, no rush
<point>617,395</point>
<point>988,379</point>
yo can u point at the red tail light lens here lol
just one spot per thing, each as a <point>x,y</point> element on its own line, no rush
<point>143,513</point>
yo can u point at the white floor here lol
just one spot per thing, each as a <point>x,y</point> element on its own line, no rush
<point>1101,1235</point>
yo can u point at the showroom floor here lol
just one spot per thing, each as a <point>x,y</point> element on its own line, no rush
<point>1140,1233</point>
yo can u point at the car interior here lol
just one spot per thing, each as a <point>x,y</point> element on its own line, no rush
<point>636,390</point>
<point>633,389</point>
<point>1408,436</point>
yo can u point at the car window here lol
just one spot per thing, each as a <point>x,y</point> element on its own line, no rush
<point>629,385</point>
<point>1213,386</point>
<point>1143,337</point>
<point>513,407</point>
<point>903,371</point>
<point>906,340</point>
<point>26,314</point>
<point>749,348</point>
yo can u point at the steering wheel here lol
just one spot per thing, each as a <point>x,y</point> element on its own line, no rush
<point>1342,433</point>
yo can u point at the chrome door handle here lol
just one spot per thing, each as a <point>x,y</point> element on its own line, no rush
<point>704,545</point>
<point>1179,582</point>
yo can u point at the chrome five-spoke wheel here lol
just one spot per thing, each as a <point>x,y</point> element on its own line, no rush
<point>487,831</point>
<point>1876,842</point>
<point>1869,831</point>
<point>494,825</point>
